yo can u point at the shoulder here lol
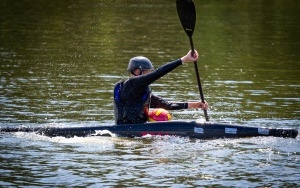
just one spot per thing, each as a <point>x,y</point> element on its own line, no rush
<point>118,86</point>
<point>120,82</point>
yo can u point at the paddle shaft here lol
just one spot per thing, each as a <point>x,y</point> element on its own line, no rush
<point>198,78</point>
<point>187,14</point>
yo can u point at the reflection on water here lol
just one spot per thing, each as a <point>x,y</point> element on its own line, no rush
<point>59,61</point>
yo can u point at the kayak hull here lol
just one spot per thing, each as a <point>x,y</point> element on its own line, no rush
<point>191,129</point>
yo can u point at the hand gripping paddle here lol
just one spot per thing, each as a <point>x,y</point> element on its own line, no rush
<point>187,15</point>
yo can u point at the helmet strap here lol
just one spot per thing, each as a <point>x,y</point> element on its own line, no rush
<point>132,72</point>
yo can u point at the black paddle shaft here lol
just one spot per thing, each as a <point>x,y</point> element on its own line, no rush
<point>187,14</point>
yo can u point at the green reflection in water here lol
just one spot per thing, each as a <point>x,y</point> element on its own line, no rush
<point>60,59</point>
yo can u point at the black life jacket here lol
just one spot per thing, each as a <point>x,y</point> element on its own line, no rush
<point>137,112</point>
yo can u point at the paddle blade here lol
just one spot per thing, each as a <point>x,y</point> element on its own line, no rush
<point>187,15</point>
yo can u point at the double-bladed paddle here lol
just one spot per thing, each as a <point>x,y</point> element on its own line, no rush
<point>187,15</point>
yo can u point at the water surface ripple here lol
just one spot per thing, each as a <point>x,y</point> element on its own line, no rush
<point>59,61</point>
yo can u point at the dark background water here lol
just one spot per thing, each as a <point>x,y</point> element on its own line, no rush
<point>59,61</point>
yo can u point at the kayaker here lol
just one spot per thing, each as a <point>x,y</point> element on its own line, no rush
<point>133,96</point>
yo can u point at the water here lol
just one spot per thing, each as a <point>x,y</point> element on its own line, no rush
<point>166,161</point>
<point>59,61</point>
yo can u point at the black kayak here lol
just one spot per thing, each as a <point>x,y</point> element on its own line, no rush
<point>191,129</point>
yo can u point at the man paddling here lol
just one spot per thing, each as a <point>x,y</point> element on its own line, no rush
<point>133,96</point>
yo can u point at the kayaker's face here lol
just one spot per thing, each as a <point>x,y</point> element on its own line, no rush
<point>138,72</point>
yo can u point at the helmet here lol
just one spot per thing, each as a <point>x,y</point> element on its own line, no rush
<point>139,62</point>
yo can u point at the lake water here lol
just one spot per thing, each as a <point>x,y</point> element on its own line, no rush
<point>59,61</point>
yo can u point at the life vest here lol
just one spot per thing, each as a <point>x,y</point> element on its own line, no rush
<point>135,113</point>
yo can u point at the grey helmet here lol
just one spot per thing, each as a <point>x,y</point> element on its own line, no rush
<point>139,62</point>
